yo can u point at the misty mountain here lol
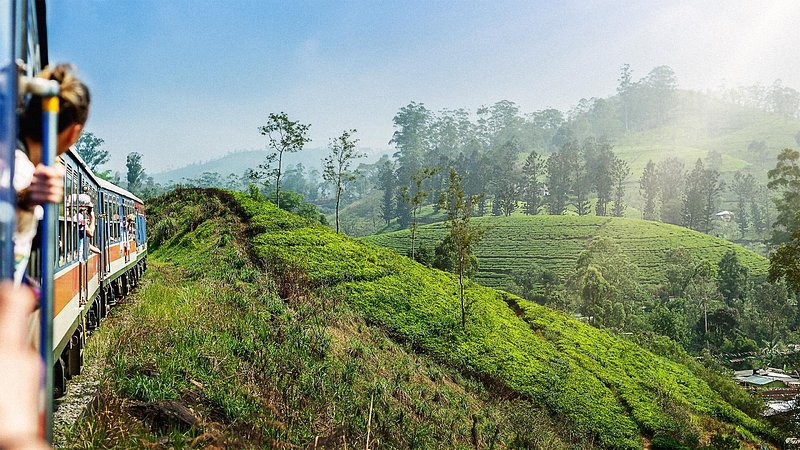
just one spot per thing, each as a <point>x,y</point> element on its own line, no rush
<point>239,161</point>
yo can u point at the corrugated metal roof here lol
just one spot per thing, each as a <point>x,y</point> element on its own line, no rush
<point>759,380</point>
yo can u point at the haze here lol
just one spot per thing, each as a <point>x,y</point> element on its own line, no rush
<point>184,81</point>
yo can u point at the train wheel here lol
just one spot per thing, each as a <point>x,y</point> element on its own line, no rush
<point>93,316</point>
<point>125,285</point>
<point>113,292</point>
<point>75,354</point>
<point>59,379</point>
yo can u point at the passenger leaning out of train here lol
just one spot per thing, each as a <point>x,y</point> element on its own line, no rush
<point>125,238</point>
<point>37,184</point>
<point>91,225</point>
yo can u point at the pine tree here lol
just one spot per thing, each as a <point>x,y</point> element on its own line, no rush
<point>531,186</point>
<point>648,188</point>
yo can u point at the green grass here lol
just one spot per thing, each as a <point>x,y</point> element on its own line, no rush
<point>554,242</point>
<point>279,332</point>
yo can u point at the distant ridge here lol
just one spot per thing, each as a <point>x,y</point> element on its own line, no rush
<point>239,161</point>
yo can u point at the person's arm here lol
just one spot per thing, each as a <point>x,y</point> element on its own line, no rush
<point>20,372</point>
<point>47,187</point>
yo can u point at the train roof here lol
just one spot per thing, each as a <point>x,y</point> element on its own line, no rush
<point>101,182</point>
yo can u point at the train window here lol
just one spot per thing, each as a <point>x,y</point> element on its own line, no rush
<point>74,215</point>
<point>109,223</point>
<point>61,231</point>
<point>112,233</point>
<point>68,215</point>
<point>117,209</point>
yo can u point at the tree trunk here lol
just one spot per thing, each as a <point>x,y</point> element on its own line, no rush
<point>278,181</point>
<point>461,292</point>
<point>705,320</point>
<point>413,232</point>
<point>338,196</point>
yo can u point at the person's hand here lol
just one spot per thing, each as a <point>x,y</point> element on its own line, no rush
<point>47,185</point>
<point>20,372</point>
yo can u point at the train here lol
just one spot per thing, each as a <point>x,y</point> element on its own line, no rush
<point>90,271</point>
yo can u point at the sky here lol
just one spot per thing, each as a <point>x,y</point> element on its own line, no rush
<point>185,81</point>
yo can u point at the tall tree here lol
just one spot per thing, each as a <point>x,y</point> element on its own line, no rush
<point>601,168</point>
<point>759,204</point>
<point>784,100</point>
<point>624,90</point>
<point>582,178</point>
<point>506,194</point>
<point>670,175</point>
<point>660,86</point>
<point>387,182</point>
<point>88,146</point>
<point>702,289</point>
<point>336,166</point>
<point>694,198</point>
<point>777,309</point>
<point>784,179</point>
<point>463,234</point>
<point>731,278</point>
<point>504,121</point>
<point>415,196</point>
<point>711,190</point>
<point>412,140</point>
<point>603,278</point>
<point>743,186</point>
<point>784,263</point>
<point>284,136</point>
<point>531,186</point>
<point>135,174</point>
<point>648,188</point>
<point>619,174</point>
<point>700,197</point>
<point>559,181</point>
<point>504,177</point>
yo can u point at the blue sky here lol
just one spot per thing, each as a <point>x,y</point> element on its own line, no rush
<point>184,81</point>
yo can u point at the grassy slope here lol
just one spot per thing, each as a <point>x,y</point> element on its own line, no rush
<point>303,363</point>
<point>606,387</point>
<point>554,242</point>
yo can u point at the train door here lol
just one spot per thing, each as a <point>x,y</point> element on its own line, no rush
<point>105,240</point>
<point>83,238</point>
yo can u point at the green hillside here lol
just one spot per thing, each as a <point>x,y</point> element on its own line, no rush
<point>553,243</point>
<point>281,333</point>
<point>700,124</point>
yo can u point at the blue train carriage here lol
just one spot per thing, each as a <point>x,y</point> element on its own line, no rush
<point>101,252</point>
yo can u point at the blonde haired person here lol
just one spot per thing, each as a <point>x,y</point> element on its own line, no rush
<point>35,183</point>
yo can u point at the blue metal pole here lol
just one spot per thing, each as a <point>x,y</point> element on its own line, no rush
<point>47,230</point>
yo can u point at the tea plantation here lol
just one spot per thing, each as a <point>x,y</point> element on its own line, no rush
<point>280,333</point>
<point>553,243</point>
<point>607,389</point>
